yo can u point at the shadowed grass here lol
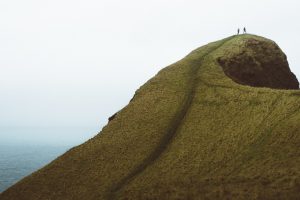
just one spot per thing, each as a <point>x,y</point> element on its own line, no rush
<point>190,132</point>
<point>171,131</point>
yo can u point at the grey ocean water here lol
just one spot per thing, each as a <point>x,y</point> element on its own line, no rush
<point>17,162</point>
<point>25,150</point>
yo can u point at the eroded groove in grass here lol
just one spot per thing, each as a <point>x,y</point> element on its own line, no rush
<point>170,133</point>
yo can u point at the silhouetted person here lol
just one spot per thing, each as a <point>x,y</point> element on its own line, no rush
<point>245,30</point>
<point>238,32</point>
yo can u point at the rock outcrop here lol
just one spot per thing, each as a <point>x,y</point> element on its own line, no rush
<point>259,63</point>
<point>197,130</point>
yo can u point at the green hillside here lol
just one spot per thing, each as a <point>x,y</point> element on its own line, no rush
<point>194,131</point>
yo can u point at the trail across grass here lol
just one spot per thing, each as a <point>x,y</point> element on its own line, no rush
<point>173,127</point>
<point>190,132</point>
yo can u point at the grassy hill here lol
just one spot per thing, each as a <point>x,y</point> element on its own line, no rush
<point>194,131</point>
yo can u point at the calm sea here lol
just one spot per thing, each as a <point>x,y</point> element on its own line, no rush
<point>17,162</point>
<point>24,150</point>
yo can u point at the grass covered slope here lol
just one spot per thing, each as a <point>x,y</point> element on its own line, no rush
<point>191,132</point>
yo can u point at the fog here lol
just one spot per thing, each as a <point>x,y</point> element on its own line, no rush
<point>69,64</point>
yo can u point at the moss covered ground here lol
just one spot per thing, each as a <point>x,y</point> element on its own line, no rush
<point>190,132</point>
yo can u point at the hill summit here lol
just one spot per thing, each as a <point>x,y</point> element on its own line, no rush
<point>196,130</point>
<point>259,63</point>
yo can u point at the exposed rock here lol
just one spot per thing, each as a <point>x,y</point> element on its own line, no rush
<point>260,64</point>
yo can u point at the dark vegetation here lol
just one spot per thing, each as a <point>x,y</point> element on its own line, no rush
<point>191,133</point>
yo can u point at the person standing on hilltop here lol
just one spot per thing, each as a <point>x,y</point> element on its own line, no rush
<point>238,31</point>
<point>245,30</point>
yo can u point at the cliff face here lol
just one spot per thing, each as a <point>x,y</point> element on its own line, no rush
<point>191,132</point>
<point>259,63</point>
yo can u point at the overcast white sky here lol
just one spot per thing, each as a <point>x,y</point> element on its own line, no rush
<point>73,63</point>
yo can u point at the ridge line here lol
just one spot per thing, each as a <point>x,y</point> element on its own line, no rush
<point>174,126</point>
